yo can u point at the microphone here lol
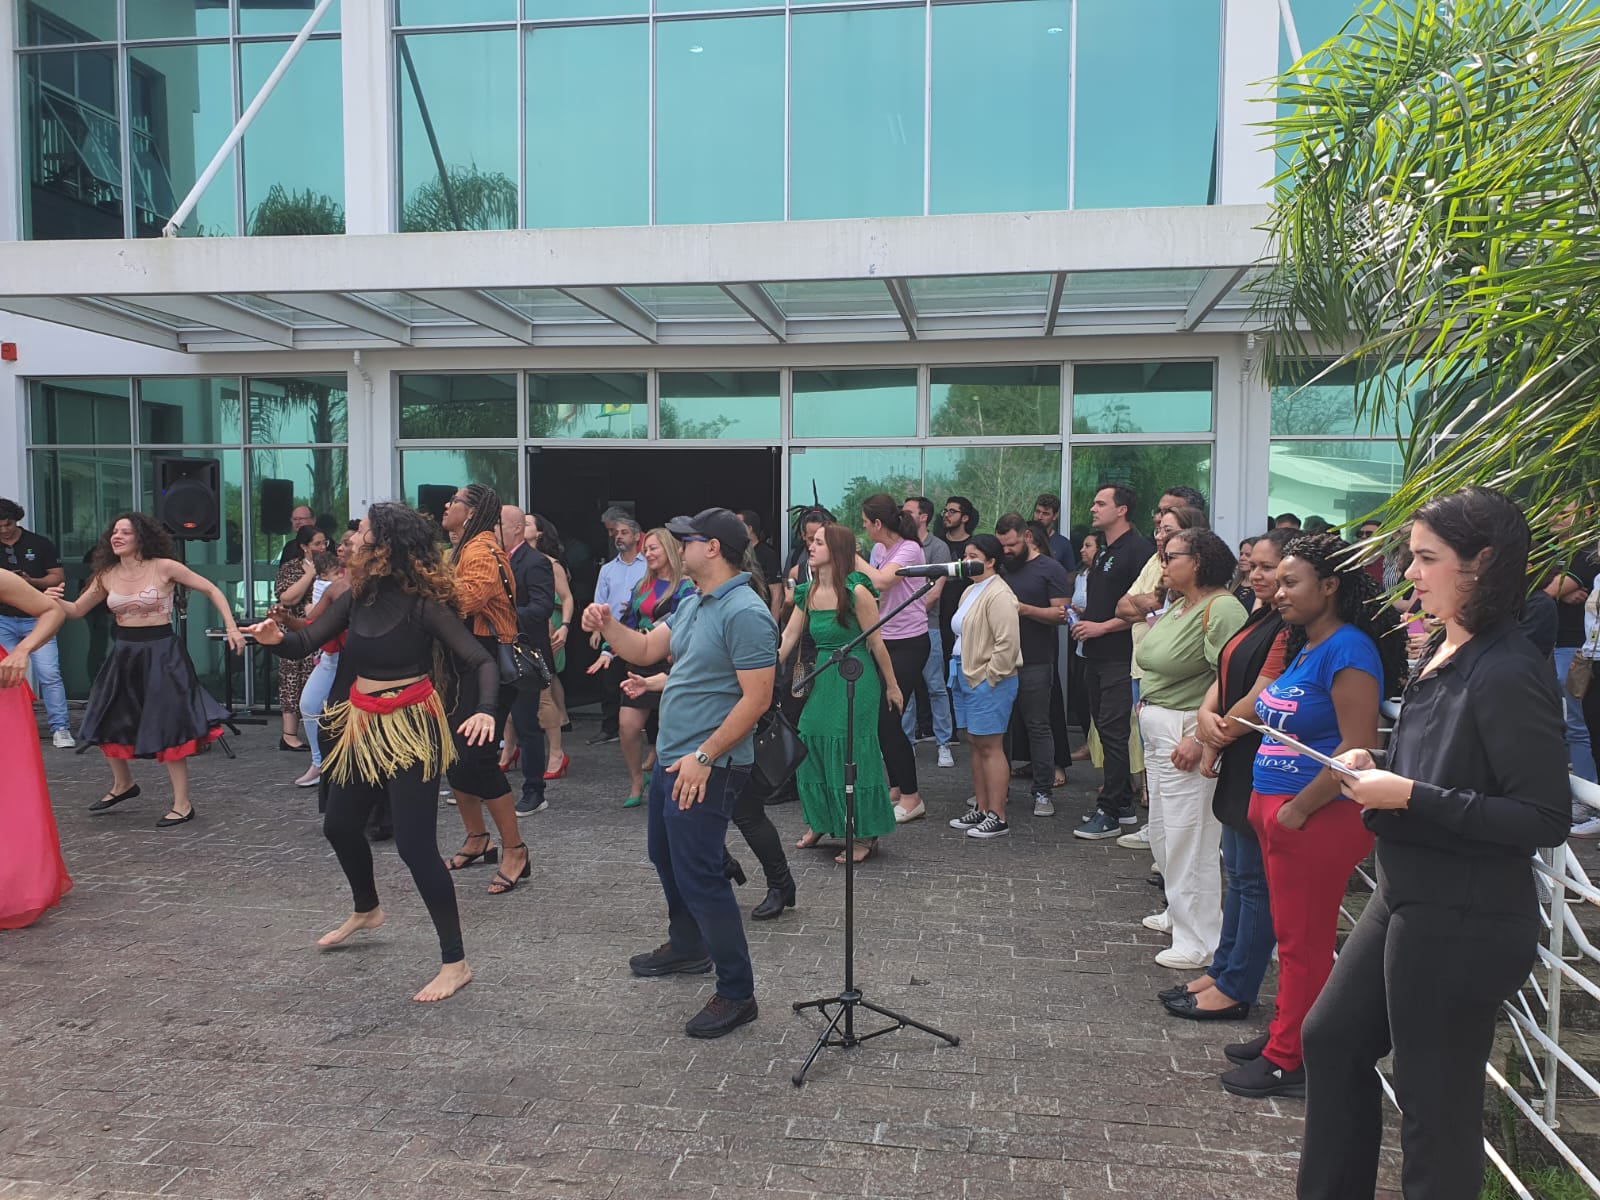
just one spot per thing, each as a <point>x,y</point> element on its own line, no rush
<point>962,568</point>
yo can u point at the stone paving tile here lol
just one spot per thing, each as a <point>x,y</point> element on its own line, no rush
<point>172,1030</point>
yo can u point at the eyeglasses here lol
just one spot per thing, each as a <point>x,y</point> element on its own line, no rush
<point>952,512</point>
<point>692,537</point>
<point>456,500</point>
<point>1160,512</point>
<point>1169,555</point>
<point>1364,534</point>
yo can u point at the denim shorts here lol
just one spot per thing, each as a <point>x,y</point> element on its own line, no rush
<point>984,710</point>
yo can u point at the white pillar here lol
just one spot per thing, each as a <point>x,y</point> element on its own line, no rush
<point>369,166</point>
<point>371,432</point>
<point>10,121</point>
<point>1245,161</point>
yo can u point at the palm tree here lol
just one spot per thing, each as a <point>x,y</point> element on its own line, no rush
<point>282,213</point>
<point>1437,220</point>
<point>463,198</point>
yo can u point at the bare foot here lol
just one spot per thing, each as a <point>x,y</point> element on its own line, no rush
<point>1211,1000</point>
<point>810,839</point>
<point>1204,984</point>
<point>356,923</point>
<point>452,977</point>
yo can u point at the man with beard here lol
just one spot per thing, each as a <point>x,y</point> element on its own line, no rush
<point>1043,592</point>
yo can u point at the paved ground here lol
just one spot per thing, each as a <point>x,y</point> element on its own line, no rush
<point>172,1030</point>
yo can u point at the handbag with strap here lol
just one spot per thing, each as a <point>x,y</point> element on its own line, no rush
<point>1580,675</point>
<point>521,664</point>
<point>778,751</point>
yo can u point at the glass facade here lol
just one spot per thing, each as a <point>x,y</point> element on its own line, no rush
<point>116,131</point>
<point>1149,468</point>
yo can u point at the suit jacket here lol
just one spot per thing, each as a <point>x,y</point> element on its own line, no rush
<point>535,583</point>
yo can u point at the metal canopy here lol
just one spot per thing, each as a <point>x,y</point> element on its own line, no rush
<point>906,279</point>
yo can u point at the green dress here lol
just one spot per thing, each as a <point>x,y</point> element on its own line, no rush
<point>821,775</point>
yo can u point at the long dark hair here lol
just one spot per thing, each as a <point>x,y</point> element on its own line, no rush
<point>550,543</point>
<point>404,554</point>
<point>842,549</point>
<point>1471,521</point>
<point>1359,602</point>
<point>154,542</point>
<point>883,508</point>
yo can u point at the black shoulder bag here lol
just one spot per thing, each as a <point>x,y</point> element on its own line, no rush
<point>521,664</point>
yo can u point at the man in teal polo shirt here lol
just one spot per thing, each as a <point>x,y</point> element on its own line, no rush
<point>724,647</point>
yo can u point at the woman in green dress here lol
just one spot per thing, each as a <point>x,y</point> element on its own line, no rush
<point>835,615</point>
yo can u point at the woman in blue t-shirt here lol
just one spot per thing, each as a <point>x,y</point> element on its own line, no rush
<point>1311,836</point>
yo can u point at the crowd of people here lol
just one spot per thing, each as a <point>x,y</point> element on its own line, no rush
<point>1239,701</point>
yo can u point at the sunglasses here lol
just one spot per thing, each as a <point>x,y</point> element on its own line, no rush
<point>1168,556</point>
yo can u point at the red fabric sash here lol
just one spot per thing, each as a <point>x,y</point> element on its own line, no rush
<point>414,693</point>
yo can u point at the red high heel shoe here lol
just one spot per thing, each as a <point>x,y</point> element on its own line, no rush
<point>561,771</point>
<point>507,763</point>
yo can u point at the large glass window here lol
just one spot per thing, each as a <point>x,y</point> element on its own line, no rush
<point>1307,402</point>
<point>429,477</point>
<point>995,401</point>
<point>458,406</point>
<point>856,97</point>
<point>1153,397</point>
<point>720,404</point>
<point>719,120</point>
<point>63,22</point>
<point>1148,469</point>
<point>177,19</point>
<point>281,16</point>
<point>855,404</point>
<point>1000,97</point>
<point>453,12</point>
<point>294,152</point>
<point>1339,481</point>
<point>79,412</point>
<point>602,404</point>
<point>457,130</point>
<point>72,145</point>
<point>189,410</point>
<point>180,105</point>
<point>588,164</point>
<point>1146,77</point>
<point>298,409</point>
<point>842,479</point>
<point>997,479</point>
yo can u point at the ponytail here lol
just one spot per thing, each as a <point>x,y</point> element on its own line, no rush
<point>883,508</point>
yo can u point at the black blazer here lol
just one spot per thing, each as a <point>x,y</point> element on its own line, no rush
<point>535,583</point>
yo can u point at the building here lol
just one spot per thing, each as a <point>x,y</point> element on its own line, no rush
<point>737,251</point>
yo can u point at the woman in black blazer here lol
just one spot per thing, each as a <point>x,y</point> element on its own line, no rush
<point>1474,781</point>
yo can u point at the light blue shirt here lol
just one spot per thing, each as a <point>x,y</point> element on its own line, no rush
<point>714,637</point>
<point>617,583</point>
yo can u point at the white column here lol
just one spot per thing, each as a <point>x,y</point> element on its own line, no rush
<point>1244,418</point>
<point>1245,161</point>
<point>371,425</point>
<point>369,166</point>
<point>12,176</point>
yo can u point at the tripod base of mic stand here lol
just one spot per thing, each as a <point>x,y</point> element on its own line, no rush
<point>847,1038</point>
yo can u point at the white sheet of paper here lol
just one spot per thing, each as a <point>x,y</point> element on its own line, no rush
<point>1284,739</point>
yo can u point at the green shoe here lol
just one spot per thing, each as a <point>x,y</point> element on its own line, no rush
<point>633,802</point>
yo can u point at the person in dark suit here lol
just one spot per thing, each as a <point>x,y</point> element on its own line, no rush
<point>534,581</point>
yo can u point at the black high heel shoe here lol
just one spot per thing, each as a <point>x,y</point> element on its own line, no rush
<point>489,854</point>
<point>731,869</point>
<point>501,885</point>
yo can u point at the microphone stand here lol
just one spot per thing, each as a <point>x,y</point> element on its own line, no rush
<point>841,1029</point>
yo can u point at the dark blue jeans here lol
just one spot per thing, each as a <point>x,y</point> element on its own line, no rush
<point>530,740</point>
<point>686,846</point>
<point>1245,950</point>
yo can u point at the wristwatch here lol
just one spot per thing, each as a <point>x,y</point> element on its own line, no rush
<point>702,758</point>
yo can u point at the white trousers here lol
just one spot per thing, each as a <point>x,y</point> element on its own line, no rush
<point>1185,836</point>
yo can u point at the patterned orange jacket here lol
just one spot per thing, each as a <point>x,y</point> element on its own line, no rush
<point>480,593</point>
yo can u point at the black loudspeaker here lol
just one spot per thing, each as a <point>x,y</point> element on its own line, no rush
<point>277,506</point>
<point>189,498</point>
<point>432,498</point>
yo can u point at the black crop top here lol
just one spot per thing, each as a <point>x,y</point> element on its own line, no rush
<point>391,636</point>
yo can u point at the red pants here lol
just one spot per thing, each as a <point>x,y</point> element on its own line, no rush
<point>1307,870</point>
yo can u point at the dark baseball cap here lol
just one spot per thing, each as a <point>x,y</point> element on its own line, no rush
<point>717,523</point>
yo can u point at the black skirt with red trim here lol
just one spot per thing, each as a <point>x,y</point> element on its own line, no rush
<point>147,701</point>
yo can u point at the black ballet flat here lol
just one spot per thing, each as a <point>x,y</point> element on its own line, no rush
<point>303,748</point>
<point>171,819</point>
<point>501,885</point>
<point>1185,1007</point>
<point>112,799</point>
<point>1176,992</point>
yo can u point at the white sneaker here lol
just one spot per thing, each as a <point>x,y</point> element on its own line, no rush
<point>946,759</point>
<point>1137,840</point>
<point>1179,961</point>
<point>62,739</point>
<point>1161,922</point>
<point>1583,829</point>
<point>902,815</point>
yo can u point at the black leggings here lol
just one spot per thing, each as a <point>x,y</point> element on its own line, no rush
<point>907,656</point>
<point>414,800</point>
<point>750,815</point>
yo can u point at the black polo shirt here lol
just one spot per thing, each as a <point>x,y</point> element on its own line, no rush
<point>1111,575</point>
<point>31,555</point>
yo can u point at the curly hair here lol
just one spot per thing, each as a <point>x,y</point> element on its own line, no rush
<point>1359,602</point>
<point>403,554</point>
<point>1213,561</point>
<point>154,542</point>
<point>1470,522</point>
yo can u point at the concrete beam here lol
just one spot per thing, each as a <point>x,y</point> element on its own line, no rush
<point>1208,295</point>
<point>474,306</point>
<point>210,312</point>
<point>611,304</point>
<point>343,310</point>
<point>753,298</point>
<point>81,314</point>
<point>900,293</point>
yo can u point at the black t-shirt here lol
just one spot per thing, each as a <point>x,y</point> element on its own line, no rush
<point>32,556</point>
<point>950,598</point>
<point>767,560</point>
<point>1037,582</point>
<point>1112,574</point>
<point>1569,617</point>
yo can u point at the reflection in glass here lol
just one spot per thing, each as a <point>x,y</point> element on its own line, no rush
<point>450,469</point>
<point>297,409</point>
<point>281,16</point>
<point>1148,469</point>
<point>1153,397</point>
<point>1339,481</point>
<point>856,113</point>
<point>842,479</point>
<point>719,120</point>
<point>453,12</point>
<point>181,108</point>
<point>588,147</point>
<point>1146,77</point>
<point>181,19</point>
<point>1001,148</point>
<point>1304,404</point>
<point>317,478</point>
<point>91,412</point>
<point>63,22</point>
<point>458,406</point>
<point>721,404</point>
<point>995,401</point>
<point>191,410</point>
<point>294,152</point>
<point>588,405</point>
<point>537,10</point>
<point>465,84</point>
<point>72,145</point>
<point>855,404</point>
<point>997,479</point>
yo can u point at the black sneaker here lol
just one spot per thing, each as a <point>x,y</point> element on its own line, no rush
<point>601,738</point>
<point>1261,1078</point>
<point>720,1016</point>
<point>1127,815</point>
<point>664,960</point>
<point>531,804</point>
<point>990,827</point>
<point>1240,1053</point>
<point>1099,827</point>
<point>967,820</point>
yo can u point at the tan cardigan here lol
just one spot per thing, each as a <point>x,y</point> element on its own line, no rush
<point>991,648</point>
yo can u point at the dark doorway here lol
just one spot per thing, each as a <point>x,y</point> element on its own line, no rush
<point>573,486</point>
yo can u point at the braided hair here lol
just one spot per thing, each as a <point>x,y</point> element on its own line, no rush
<point>484,502</point>
<point>1359,600</point>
